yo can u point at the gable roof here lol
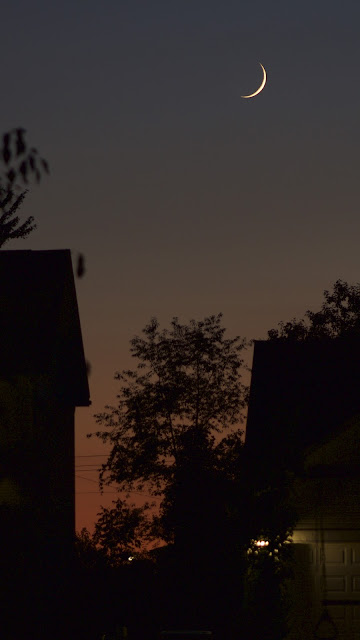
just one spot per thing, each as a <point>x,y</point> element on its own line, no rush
<point>301,392</point>
<point>40,329</point>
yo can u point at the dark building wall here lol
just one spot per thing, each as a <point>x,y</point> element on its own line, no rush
<point>54,426</point>
<point>37,468</point>
<point>37,510</point>
<point>42,379</point>
<point>301,392</point>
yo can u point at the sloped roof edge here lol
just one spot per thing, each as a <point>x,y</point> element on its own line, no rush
<point>40,327</point>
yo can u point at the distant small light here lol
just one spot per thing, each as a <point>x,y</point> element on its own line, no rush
<point>261,543</point>
<point>130,558</point>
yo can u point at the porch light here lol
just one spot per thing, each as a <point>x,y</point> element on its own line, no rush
<point>261,543</point>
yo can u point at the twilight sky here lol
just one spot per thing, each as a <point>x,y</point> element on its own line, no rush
<point>186,199</point>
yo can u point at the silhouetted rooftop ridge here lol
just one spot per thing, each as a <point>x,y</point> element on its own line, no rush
<point>39,321</point>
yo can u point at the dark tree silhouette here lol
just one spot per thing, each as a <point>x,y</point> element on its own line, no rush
<point>184,397</point>
<point>88,554</point>
<point>175,433</point>
<point>186,389</point>
<point>19,164</point>
<point>120,531</point>
<point>339,316</point>
<point>10,227</point>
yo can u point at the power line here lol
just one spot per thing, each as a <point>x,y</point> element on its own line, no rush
<point>139,493</point>
<point>85,492</point>
<point>88,479</point>
<point>95,455</point>
<point>81,466</point>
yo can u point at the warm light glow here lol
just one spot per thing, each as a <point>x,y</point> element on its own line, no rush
<point>261,543</point>
<point>261,86</point>
<point>130,558</point>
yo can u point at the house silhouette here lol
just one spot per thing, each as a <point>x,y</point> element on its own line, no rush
<point>304,416</point>
<point>43,378</point>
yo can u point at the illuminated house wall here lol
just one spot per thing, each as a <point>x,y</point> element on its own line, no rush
<point>327,537</point>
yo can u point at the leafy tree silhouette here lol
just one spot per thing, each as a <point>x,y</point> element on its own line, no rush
<point>185,392</point>
<point>339,315</point>
<point>10,228</point>
<point>175,434</point>
<point>20,164</point>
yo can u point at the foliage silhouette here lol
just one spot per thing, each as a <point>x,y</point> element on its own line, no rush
<point>120,530</point>
<point>175,433</point>
<point>89,555</point>
<point>339,316</point>
<point>184,394</point>
<point>9,222</point>
<point>19,164</point>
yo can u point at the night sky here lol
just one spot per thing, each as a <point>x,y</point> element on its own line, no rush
<point>184,198</point>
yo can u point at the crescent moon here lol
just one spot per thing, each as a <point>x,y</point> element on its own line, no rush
<point>261,86</point>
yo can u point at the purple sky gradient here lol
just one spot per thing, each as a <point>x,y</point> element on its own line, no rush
<point>185,199</point>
